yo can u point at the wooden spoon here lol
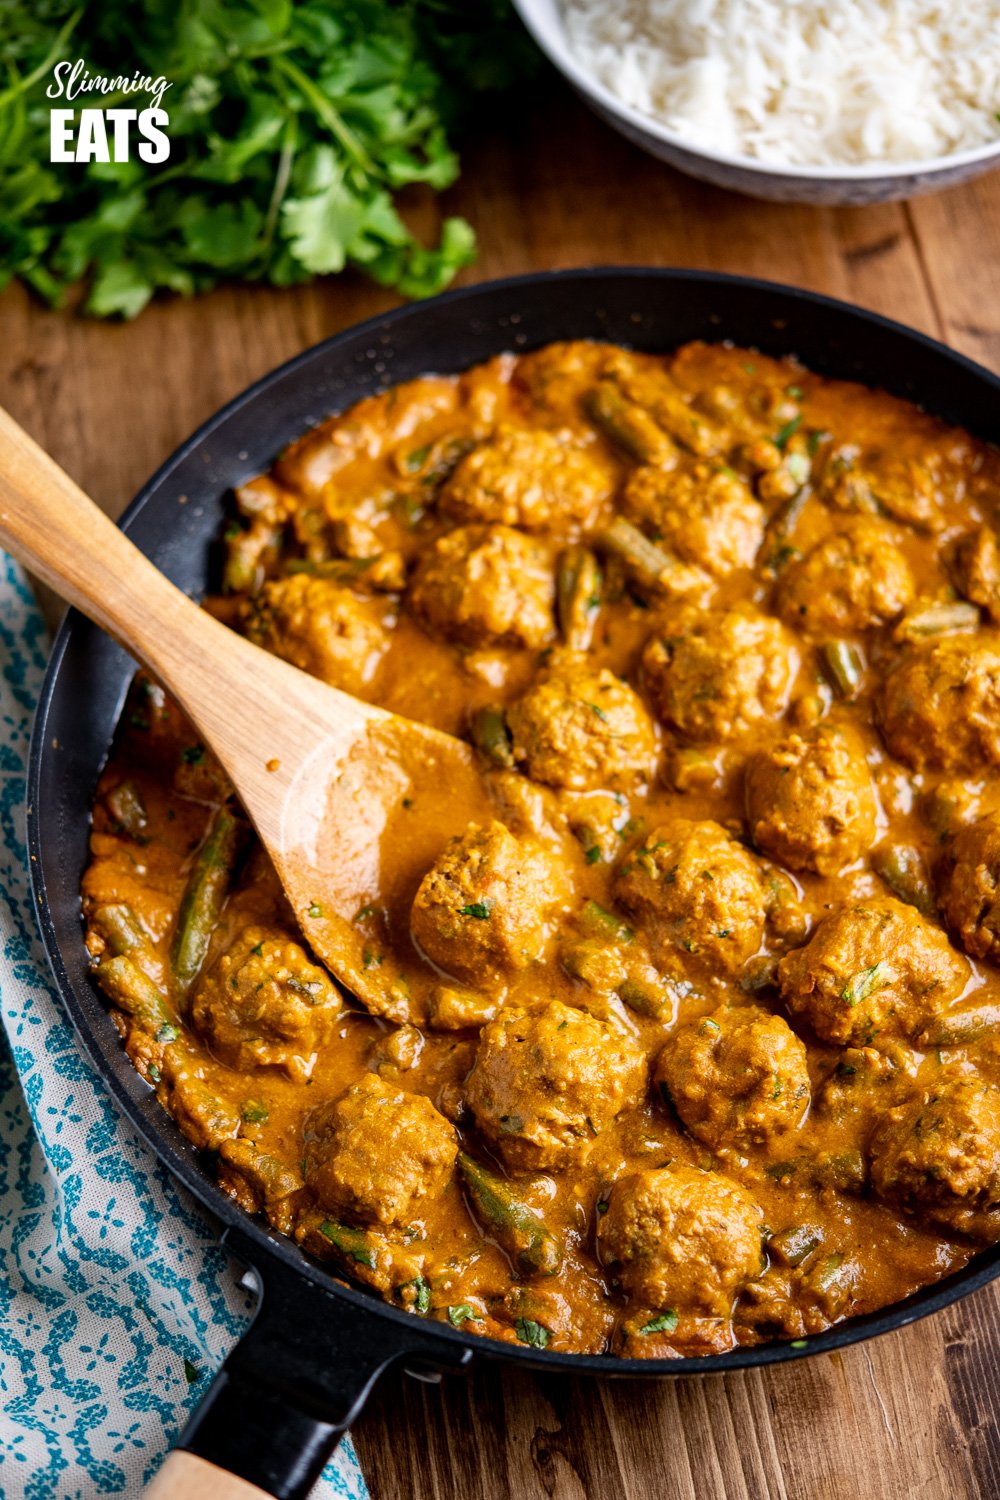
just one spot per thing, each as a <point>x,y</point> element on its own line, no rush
<point>353,804</point>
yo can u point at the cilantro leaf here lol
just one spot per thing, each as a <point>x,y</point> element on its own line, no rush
<point>293,123</point>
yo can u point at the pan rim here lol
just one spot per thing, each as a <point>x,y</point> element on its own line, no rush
<point>166,1143</point>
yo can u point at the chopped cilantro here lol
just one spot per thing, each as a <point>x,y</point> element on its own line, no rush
<point>479,909</point>
<point>665,1322</point>
<point>784,434</point>
<point>461,1313</point>
<point>530,1332</point>
<point>865,982</point>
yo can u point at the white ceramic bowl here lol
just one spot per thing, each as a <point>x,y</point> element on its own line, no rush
<point>878,183</point>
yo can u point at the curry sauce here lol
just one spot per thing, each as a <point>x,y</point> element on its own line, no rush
<point>691,1039</point>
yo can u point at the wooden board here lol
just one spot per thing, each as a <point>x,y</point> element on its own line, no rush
<point>914,1413</point>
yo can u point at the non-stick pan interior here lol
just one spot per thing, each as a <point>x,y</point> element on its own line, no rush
<point>177,517</point>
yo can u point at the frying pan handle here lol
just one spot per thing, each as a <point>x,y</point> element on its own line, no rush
<point>289,1390</point>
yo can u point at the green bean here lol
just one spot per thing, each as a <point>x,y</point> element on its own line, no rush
<point>578,595</point>
<point>129,989</point>
<point>781,526</point>
<point>651,564</point>
<point>491,737</point>
<point>273,1178</point>
<point>843,1170</point>
<point>844,666</point>
<point>629,426</point>
<point>122,931</point>
<point>958,1027</point>
<point>605,924</point>
<point>518,1229</point>
<point>355,1246</point>
<point>594,964</point>
<point>339,569</point>
<point>126,806</point>
<point>793,1246</point>
<point>904,871</point>
<point>207,887</point>
<point>831,1281</point>
<point>649,994</point>
<point>937,619</point>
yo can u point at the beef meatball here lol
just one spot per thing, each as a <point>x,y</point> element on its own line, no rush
<point>536,479</point>
<point>484,908</point>
<point>581,727</point>
<point>855,578</point>
<point>263,1004</point>
<point>681,1240</point>
<point>696,892</point>
<point>938,1157</point>
<point>486,586</point>
<point>320,626</point>
<point>968,877</point>
<point>714,676</point>
<point>737,1077</point>
<point>544,1085</point>
<point>810,800</point>
<point>875,968</point>
<point>378,1153</point>
<point>940,705</point>
<point>706,515</point>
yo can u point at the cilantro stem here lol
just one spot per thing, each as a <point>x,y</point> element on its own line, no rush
<point>47,64</point>
<point>289,141</point>
<point>326,112</point>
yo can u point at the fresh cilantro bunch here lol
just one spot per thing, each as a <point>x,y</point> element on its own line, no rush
<point>292,125</point>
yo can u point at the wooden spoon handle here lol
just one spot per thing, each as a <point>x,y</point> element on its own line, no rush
<point>51,526</point>
<point>184,1476</point>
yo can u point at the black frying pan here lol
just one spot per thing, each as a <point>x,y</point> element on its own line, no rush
<point>304,1368</point>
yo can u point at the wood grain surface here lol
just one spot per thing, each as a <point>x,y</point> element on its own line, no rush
<point>912,1414</point>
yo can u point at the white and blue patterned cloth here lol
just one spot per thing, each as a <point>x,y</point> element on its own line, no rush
<point>116,1304</point>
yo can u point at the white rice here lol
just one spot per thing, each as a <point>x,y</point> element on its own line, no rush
<point>802,82</point>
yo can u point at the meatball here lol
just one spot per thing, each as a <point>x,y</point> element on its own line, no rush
<point>320,626</point>
<point>854,578</point>
<point>535,479</point>
<point>968,876</point>
<point>580,726</point>
<point>977,565</point>
<point>714,676</point>
<point>736,1078</point>
<point>874,968</point>
<point>263,1004</point>
<point>938,1157</point>
<point>486,586</point>
<point>483,909</point>
<point>810,801</point>
<point>544,1085</point>
<point>697,891</point>
<point>706,515</point>
<point>940,704</point>
<point>377,1153</point>
<point>681,1240</point>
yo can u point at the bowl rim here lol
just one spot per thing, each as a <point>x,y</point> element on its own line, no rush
<point>558,51</point>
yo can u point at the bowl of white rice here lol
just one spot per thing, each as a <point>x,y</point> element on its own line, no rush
<point>810,101</point>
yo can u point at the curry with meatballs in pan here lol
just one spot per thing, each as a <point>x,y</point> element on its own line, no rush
<point>692,1040</point>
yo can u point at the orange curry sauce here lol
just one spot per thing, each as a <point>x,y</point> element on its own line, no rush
<point>693,1042</point>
